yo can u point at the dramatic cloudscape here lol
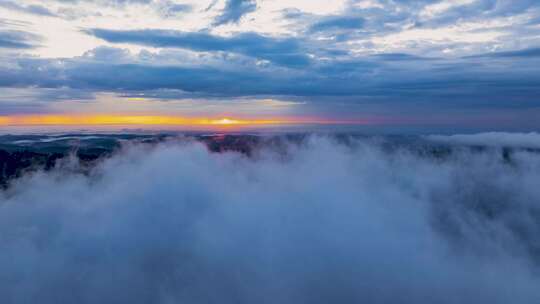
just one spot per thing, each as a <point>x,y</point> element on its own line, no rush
<point>428,64</point>
<point>269,151</point>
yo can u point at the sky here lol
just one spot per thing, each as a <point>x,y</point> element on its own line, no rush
<point>426,64</point>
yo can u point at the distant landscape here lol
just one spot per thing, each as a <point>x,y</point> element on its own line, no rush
<point>25,153</point>
<point>269,152</point>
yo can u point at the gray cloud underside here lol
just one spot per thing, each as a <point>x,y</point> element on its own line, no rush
<point>321,223</point>
<point>15,39</point>
<point>527,53</point>
<point>387,16</point>
<point>396,16</point>
<point>333,72</point>
<point>165,8</point>
<point>234,10</point>
<point>466,83</point>
<point>501,74</point>
<point>29,9</point>
<point>282,51</point>
<point>337,23</point>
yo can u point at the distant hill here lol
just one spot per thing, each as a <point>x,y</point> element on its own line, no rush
<point>23,153</point>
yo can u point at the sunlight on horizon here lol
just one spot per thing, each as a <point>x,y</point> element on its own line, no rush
<point>159,120</point>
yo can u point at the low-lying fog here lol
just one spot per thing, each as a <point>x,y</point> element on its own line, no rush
<point>322,223</point>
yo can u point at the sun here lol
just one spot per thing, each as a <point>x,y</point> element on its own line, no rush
<point>225,122</point>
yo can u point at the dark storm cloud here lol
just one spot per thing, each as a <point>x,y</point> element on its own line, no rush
<point>234,10</point>
<point>284,51</point>
<point>319,222</point>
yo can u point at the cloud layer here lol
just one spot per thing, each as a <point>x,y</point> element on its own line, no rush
<point>234,10</point>
<point>453,62</point>
<point>493,139</point>
<point>317,221</point>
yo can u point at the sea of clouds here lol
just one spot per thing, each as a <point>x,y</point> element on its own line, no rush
<point>492,139</point>
<point>318,222</point>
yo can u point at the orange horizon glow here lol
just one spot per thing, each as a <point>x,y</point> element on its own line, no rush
<point>152,120</point>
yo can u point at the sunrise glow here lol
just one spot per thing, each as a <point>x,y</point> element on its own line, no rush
<point>156,120</point>
<point>33,120</point>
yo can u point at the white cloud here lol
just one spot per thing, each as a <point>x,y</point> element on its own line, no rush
<point>63,36</point>
<point>316,223</point>
<point>438,8</point>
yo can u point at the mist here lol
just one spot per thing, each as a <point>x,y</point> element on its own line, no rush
<point>492,139</point>
<point>315,222</point>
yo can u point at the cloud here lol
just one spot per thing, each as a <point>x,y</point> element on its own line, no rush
<point>15,39</point>
<point>32,100</point>
<point>316,222</point>
<point>401,57</point>
<point>108,2</point>
<point>372,83</point>
<point>234,10</point>
<point>171,9</point>
<point>493,139</point>
<point>29,9</point>
<point>281,51</point>
<point>337,23</point>
<point>108,54</point>
<point>525,53</point>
